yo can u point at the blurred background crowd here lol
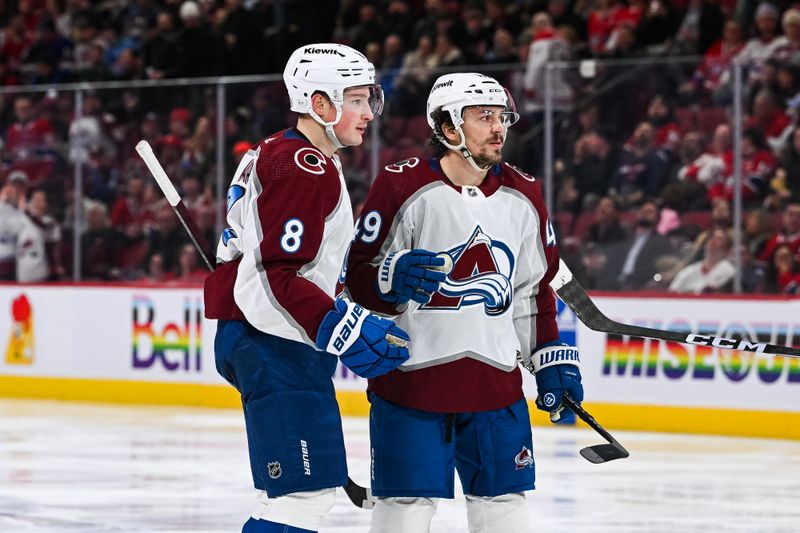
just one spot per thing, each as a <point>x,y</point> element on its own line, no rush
<point>641,94</point>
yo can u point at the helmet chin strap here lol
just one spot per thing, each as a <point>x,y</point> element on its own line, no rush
<point>329,126</point>
<point>462,147</point>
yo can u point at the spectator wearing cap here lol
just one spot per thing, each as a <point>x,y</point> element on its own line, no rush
<point>19,182</point>
<point>202,48</point>
<point>180,122</point>
<point>759,48</point>
<point>171,154</point>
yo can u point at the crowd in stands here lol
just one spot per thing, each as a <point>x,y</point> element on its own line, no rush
<point>643,125</point>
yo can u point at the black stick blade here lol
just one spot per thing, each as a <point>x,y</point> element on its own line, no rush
<point>602,453</point>
<point>360,496</point>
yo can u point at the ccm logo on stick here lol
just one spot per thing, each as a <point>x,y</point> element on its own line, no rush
<point>722,342</point>
<point>352,320</point>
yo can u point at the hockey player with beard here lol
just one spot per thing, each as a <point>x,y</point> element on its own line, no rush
<point>281,327</point>
<point>457,403</point>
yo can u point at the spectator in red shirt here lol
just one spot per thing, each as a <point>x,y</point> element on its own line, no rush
<point>758,165</point>
<point>662,117</point>
<point>716,61</point>
<point>129,213</point>
<point>602,21</point>
<point>782,276</point>
<point>767,116</point>
<point>189,269</point>
<point>30,141</point>
<point>789,234</point>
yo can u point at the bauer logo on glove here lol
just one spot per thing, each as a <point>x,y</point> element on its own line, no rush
<point>365,343</point>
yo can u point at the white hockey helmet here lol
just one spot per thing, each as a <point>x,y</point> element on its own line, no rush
<point>454,92</point>
<point>329,68</point>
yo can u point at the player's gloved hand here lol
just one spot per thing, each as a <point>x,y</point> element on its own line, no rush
<point>555,366</point>
<point>410,275</point>
<point>367,344</point>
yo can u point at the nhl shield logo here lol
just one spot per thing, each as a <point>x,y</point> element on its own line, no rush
<point>523,458</point>
<point>274,470</point>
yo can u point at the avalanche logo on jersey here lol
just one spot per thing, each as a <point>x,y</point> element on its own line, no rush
<point>481,275</point>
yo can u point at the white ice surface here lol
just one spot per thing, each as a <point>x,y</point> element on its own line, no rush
<point>67,467</point>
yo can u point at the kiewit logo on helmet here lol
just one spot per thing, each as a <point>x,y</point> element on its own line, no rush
<point>322,51</point>
<point>448,83</point>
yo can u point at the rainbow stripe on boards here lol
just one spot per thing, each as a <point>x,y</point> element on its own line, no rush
<point>650,358</point>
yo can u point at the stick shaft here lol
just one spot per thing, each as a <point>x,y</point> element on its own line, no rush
<point>572,294</point>
<point>589,419</point>
<point>175,201</point>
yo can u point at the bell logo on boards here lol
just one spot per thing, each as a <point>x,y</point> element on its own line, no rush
<point>173,345</point>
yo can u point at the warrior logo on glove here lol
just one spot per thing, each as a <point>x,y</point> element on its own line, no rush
<point>481,275</point>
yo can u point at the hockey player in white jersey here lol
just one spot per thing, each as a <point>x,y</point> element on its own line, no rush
<point>457,403</point>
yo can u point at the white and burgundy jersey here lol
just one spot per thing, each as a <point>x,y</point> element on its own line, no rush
<point>495,303</point>
<point>289,225</point>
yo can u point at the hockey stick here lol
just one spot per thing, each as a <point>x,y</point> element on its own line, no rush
<point>572,294</point>
<point>599,453</point>
<point>360,496</point>
<point>174,199</point>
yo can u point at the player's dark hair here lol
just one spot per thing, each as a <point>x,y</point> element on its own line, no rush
<point>440,118</point>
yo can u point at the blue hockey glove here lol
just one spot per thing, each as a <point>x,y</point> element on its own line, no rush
<point>367,344</point>
<point>410,275</point>
<point>555,366</point>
